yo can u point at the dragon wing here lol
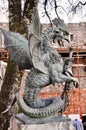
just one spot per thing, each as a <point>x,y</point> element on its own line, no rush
<point>24,54</point>
<point>18,47</point>
<point>35,43</point>
<point>36,54</point>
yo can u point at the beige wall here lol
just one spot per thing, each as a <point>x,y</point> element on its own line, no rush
<point>79,32</point>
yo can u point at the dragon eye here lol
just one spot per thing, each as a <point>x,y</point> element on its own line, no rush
<point>66,33</point>
<point>56,31</point>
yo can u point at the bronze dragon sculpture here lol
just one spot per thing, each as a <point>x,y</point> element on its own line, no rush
<point>45,64</point>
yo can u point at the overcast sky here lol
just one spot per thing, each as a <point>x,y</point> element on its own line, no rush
<point>3,11</point>
<point>64,14</point>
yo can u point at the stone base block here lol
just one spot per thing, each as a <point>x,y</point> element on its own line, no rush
<point>16,124</point>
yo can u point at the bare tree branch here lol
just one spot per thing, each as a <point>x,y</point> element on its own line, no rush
<point>75,7</point>
<point>56,7</point>
<point>45,4</point>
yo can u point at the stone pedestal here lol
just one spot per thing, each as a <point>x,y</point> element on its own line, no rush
<point>16,124</point>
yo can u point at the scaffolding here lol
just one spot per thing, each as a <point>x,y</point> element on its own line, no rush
<point>4,54</point>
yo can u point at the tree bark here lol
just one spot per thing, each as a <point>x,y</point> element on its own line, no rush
<point>13,76</point>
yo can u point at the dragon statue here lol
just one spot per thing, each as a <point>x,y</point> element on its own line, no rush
<point>46,66</point>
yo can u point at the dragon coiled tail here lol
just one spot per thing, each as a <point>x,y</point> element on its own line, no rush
<point>55,107</point>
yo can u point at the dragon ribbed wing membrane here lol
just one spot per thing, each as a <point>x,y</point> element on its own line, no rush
<point>18,47</point>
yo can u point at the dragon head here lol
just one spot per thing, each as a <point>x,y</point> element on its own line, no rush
<point>60,31</point>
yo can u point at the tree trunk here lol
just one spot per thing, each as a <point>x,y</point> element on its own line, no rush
<point>13,76</point>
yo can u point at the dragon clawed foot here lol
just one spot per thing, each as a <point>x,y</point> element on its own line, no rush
<point>76,84</point>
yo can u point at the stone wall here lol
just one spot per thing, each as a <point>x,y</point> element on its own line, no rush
<point>79,32</point>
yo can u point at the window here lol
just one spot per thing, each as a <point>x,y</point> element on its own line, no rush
<point>71,37</point>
